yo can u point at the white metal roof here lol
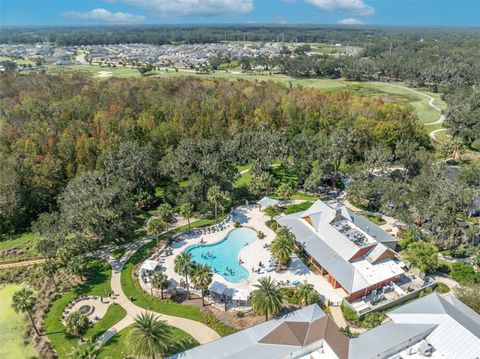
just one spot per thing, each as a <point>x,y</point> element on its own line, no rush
<point>149,265</point>
<point>267,201</point>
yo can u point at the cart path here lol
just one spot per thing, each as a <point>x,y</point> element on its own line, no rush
<point>201,332</point>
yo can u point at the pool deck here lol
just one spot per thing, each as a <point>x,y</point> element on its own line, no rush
<point>252,254</point>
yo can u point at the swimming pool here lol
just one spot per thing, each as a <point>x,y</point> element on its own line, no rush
<point>222,256</point>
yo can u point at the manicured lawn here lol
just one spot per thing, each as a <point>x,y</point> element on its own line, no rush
<point>118,253</point>
<point>243,180</point>
<point>117,346</point>
<point>294,208</point>
<point>12,327</point>
<point>98,284</point>
<point>303,196</point>
<point>241,168</point>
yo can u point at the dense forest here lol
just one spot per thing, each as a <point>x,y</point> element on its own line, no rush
<point>56,130</point>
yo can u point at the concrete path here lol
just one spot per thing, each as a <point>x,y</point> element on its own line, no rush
<point>433,135</point>
<point>201,332</point>
<point>337,316</point>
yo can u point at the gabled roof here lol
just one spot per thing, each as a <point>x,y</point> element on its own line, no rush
<point>457,327</point>
<point>372,229</point>
<point>342,270</point>
<point>278,338</point>
<point>267,201</point>
<point>387,339</point>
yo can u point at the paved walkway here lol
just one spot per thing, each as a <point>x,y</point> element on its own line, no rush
<point>337,316</point>
<point>201,332</point>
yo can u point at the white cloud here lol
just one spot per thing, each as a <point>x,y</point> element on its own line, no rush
<point>357,7</point>
<point>175,8</point>
<point>104,15</point>
<point>350,21</point>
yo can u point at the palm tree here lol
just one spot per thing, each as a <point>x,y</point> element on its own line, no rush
<point>87,350</point>
<point>186,211</point>
<point>164,212</point>
<point>225,201</point>
<point>284,191</point>
<point>266,299</point>
<point>23,301</point>
<point>149,337</point>
<point>306,294</point>
<point>272,211</point>
<point>282,247</point>
<point>155,227</point>
<point>202,277</point>
<point>76,324</point>
<point>160,281</point>
<point>184,265</point>
<point>215,196</point>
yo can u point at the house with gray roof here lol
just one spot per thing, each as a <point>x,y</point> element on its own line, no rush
<point>349,250</point>
<point>431,327</point>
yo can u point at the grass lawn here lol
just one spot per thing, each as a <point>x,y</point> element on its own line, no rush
<point>117,346</point>
<point>118,253</point>
<point>243,180</point>
<point>12,327</point>
<point>25,242</point>
<point>303,196</point>
<point>100,275</point>
<point>132,289</point>
<point>294,208</point>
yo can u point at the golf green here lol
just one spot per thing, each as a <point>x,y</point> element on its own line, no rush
<point>12,327</point>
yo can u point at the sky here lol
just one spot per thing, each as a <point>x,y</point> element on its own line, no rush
<point>319,12</point>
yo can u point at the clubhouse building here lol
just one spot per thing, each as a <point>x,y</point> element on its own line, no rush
<point>350,251</point>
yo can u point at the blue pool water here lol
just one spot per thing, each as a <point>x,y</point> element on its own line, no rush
<point>224,254</point>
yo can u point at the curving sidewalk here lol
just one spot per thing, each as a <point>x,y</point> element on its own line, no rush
<point>201,332</point>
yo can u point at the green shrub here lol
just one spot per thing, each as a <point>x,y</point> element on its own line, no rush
<point>373,319</point>
<point>442,288</point>
<point>237,224</point>
<point>240,314</point>
<point>217,325</point>
<point>464,273</point>
<point>425,292</point>
<point>407,237</point>
<point>272,225</point>
<point>260,235</point>
<point>350,314</point>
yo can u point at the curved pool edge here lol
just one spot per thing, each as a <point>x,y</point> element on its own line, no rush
<point>192,246</point>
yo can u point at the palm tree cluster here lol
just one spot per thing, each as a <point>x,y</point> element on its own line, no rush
<point>282,246</point>
<point>267,299</point>
<point>201,275</point>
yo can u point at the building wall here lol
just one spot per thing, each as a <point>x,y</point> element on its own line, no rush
<point>362,251</point>
<point>357,295</point>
